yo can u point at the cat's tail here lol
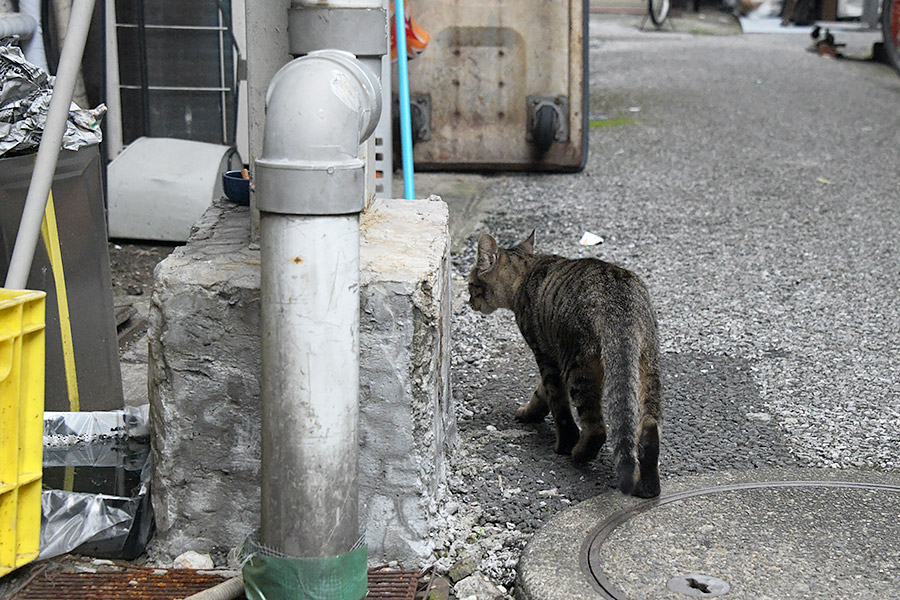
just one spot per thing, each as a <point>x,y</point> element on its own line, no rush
<point>621,381</point>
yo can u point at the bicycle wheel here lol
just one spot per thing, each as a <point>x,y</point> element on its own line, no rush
<point>890,31</point>
<point>659,10</point>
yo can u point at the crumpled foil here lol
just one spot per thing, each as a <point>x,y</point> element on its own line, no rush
<point>25,92</point>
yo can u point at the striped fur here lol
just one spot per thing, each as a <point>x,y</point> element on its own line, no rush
<point>593,332</point>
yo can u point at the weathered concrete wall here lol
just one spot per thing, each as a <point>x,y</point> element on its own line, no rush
<point>203,385</point>
<point>204,382</point>
<point>407,420</point>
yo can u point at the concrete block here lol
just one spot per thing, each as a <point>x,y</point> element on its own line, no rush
<point>204,382</point>
<point>203,385</point>
<point>407,421</point>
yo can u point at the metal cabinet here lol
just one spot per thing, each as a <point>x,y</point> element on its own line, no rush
<point>81,266</point>
<point>502,85</point>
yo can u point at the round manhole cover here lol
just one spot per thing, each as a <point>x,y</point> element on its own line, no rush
<point>784,539</point>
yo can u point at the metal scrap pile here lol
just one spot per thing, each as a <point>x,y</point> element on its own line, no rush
<point>25,92</point>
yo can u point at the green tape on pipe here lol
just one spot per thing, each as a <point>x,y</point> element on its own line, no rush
<point>341,577</point>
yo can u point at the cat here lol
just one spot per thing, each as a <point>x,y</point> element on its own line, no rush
<point>593,332</point>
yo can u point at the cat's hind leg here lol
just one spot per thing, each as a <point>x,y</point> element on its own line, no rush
<point>649,429</point>
<point>585,390</point>
<point>567,431</point>
<point>648,459</point>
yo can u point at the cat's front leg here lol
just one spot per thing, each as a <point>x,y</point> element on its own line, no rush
<point>550,396</point>
<point>535,409</point>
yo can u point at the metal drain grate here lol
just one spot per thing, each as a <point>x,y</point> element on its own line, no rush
<point>130,584</point>
<point>142,583</point>
<point>392,585</point>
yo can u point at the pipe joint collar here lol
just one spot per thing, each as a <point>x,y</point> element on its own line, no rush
<point>319,109</point>
<point>360,30</point>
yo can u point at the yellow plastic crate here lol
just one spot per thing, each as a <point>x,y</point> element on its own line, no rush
<point>21,425</point>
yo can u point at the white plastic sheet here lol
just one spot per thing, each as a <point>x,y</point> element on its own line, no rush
<point>62,428</point>
<point>90,523</point>
<point>70,519</point>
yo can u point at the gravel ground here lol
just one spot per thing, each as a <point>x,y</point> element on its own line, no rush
<point>750,183</point>
<point>131,265</point>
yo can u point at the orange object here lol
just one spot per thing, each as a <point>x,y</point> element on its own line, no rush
<point>416,37</point>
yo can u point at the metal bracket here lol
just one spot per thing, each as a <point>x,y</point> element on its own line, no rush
<point>419,114</point>
<point>560,106</point>
<point>420,109</point>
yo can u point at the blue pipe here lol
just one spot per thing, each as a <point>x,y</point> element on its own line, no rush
<point>403,86</point>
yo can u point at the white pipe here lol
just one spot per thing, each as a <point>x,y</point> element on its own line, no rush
<point>63,11</point>
<point>13,24</point>
<point>113,121</point>
<point>227,590</point>
<point>34,48</point>
<point>310,190</point>
<point>310,350</point>
<point>51,140</point>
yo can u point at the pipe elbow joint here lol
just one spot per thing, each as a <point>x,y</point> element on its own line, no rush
<point>18,25</point>
<point>319,109</point>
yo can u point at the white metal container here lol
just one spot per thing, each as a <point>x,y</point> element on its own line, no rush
<point>158,187</point>
<point>487,67</point>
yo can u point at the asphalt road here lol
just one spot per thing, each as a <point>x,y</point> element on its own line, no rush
<point>753,185</point>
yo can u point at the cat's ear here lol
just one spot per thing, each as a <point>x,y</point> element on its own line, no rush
<point>527,245</point>
<point>488,253</point>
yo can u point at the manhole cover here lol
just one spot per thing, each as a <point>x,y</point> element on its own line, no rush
<point>815,539</point>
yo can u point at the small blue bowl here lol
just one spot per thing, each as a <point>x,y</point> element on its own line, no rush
<point>236,187</point>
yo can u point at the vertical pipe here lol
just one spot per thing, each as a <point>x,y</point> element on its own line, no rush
<point>62,9</point>
<point>310,188</point>
<point>48,152</point>
<point>222,97</point>
<point>384,131</point>
<point>310,382</point>
<point>145,73</point>
<point>403,88</point>
<point>113,133</point>
<point>34,47</point>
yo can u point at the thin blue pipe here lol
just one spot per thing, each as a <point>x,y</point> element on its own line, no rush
<point>403,86</point>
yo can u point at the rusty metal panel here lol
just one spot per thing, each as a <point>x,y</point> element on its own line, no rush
<point>392,585</point>
<point>485,59</point>
<point>128,582</point>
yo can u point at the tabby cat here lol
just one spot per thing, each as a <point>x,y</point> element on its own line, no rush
<point>593,332</point>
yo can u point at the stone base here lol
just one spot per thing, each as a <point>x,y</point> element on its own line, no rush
<point>204,384</point>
